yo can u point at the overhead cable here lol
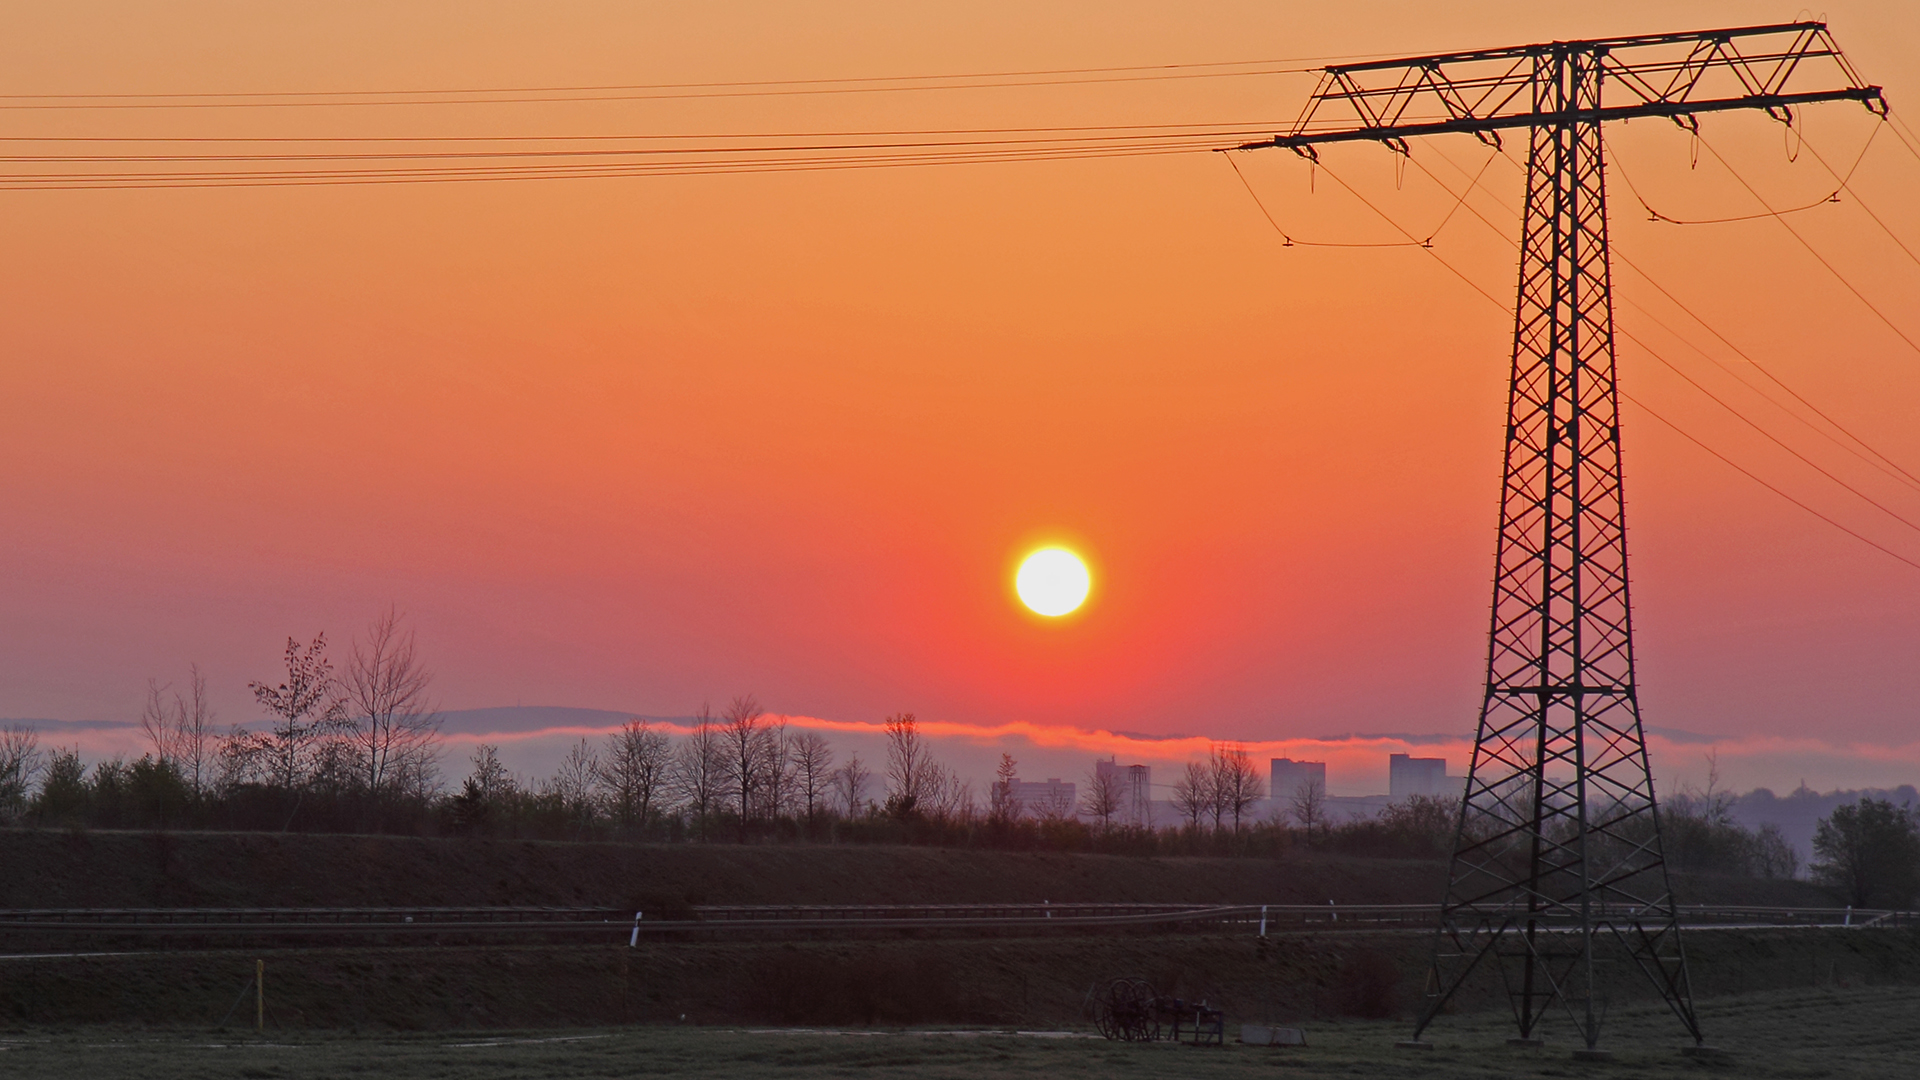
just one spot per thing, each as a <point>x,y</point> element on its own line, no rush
<point>1830,197</point>
<point>1770,436</point>
<point>1691,438</point>
<point>1902,473</point>
<point>1287,237</point>
<point>636,92</point>
<point>1898,472</point>
<point>1845,185</point>
<point>1835,271</point>
<point>1744,471</point>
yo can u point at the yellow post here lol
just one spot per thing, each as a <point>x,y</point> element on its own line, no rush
<point>260,996</point>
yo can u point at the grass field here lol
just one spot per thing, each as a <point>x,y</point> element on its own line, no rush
<point>1862,1032</point>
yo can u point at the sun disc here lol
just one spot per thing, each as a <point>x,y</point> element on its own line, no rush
<point>1052,582</point>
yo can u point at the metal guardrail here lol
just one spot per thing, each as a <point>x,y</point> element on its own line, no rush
<point>359,920</point>
<point>813,920</point>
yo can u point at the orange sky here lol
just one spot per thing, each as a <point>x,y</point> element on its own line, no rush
<point>636,443</point>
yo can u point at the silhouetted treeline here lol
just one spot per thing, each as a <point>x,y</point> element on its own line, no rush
<point>360,751</point>
<point>744,778</point>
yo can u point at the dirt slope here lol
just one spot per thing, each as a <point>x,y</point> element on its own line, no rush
<point>126,869</point>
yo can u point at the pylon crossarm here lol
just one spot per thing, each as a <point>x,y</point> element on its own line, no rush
<point>1398,135</point>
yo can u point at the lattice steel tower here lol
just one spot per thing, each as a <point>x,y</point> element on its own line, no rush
<point>1557,866</point>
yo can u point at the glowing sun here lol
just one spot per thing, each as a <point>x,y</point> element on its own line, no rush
<point>1052,581</point>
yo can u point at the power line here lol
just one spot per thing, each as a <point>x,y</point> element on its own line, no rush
<point>1770,487</point>
<point>1236,128</point>
<point>1716,399</point>
<point>1284,235</point>
<point>1904,132</point>
<point>562,164</point>
<point>1656,215</point>
<point>334,177</point>
<point>1771,437</point>
<point>1455,271</point>
<point>1203,140</point>
<point>1906,477</point>
<point>1846,186</point>
<point>1749,475</point>
<point>663,155</point>
<point>1895,473</point>
<point>657,92</point>
<point>710,85</point>
<point>1903,475</point>
<point>1788,225</point>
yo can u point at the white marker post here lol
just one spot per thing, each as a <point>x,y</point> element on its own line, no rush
<point>634,940</point>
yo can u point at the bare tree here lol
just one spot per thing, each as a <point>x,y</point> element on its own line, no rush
<point>946,796</point>
<point>1003,805</point>
<point>1193,793</point>
<point>812,770</point>
<point>745,739</point>
<point>387,715</point>
<point>158,725</point>
<point>305,709</point>
<point>1055,806</point>
<point>850,782</point>
<point>1236,782</point>
<point>1308,804</point>
<point>699,769</point>
<point>20,761</point>
<point>907,765</point>
<point>180,729</point>
<point>240,758</point>
<point>777,770</point>
<point>575,785</point>
<point>633,772</point>
<point>193,716</point>
<point>1101,800</point>
<point>1773,855</point>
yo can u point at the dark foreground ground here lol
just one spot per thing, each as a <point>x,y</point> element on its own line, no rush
<point>1857,1032</point>
<point>1019,982</point>
<point>58,868</point>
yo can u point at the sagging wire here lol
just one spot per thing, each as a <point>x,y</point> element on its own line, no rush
<point>1831,197</point>
<point>1489,297</point>
<point>1286,237</point>
<point>1288,240</point>
<point>1846,186</point>
<point>1835,271</point>
<point>1897,473</point>
<point>1744,471</point>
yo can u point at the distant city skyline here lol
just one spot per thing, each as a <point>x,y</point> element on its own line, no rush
<point>534,738</point>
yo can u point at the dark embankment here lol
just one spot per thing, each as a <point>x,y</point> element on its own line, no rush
<point>998,981</point>
<point>48,868</point>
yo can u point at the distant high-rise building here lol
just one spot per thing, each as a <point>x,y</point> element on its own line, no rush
<point>1408,776</point>
<point>1134,785</point>
<point>1288,776</point>
<point>1049,798</point>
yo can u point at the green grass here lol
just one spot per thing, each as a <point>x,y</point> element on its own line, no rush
<point>1864,1032</point>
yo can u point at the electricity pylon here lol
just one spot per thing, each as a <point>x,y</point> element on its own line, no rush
<point>1557,862</point>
